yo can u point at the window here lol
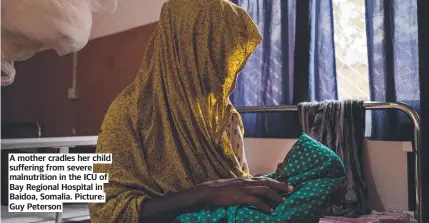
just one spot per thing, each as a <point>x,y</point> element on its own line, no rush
<point>351,49</point>
<point>351,54</point>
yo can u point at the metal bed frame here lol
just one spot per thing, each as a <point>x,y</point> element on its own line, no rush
<point>372,106</point>
<point>64,143</point>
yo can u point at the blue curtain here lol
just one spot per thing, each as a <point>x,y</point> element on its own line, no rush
<point>294,63</point>
<point>393,64</point>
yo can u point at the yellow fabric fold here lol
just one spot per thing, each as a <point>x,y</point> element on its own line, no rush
<point>166,130</point>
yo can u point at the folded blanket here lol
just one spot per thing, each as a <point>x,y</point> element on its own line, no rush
<point>340,125</point>
<point>315,172</point>
<point>375,217</point>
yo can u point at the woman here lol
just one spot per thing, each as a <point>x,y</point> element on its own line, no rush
<point>176,139</point>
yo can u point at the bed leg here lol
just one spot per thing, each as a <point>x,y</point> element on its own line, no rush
<point>58,217</point>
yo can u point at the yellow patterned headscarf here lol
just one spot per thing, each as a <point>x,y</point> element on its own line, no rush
<point>166,131</point>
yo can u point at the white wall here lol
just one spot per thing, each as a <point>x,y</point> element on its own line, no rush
<point>129,14</point>
<point>385,168</point>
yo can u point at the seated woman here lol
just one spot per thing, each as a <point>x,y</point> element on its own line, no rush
<point>176,139</point>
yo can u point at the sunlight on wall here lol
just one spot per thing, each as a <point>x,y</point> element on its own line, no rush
<point>129,14</point>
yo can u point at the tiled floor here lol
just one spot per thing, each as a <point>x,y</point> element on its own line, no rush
<point>72,212</point>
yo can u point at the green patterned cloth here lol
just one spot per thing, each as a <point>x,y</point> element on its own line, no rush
<point>313,169</point>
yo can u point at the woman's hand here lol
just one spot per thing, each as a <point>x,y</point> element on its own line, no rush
<point>262,193</point>
<point>258,192</point>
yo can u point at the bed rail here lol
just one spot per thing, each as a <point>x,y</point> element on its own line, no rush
<point>55,142</point>
<point>371,106</point>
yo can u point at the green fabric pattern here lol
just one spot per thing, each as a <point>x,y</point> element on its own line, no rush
<point>313,169</point>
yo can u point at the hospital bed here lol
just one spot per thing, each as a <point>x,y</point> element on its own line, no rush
<point>63,144</point>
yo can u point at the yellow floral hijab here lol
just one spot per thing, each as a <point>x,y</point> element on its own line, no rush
<point>166,131</point>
